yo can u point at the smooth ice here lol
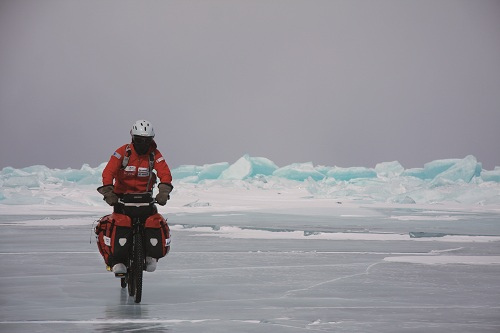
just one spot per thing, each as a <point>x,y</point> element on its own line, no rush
<point>337,269</point>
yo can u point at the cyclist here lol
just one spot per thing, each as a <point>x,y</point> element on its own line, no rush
<point>130,170</point>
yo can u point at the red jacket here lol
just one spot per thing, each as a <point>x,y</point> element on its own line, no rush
<point>135,176</point>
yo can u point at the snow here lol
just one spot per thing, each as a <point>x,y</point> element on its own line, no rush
<point>262,248</point>
<point>443,260</point>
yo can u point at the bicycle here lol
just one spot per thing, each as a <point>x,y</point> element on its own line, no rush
<point>138,206</point>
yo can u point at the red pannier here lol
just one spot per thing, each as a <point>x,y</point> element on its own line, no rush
<point>114,234</point>
<point>157,236</point>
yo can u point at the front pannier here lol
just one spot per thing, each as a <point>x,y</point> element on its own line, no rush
<point>113,233</point>
<point>157,236</point>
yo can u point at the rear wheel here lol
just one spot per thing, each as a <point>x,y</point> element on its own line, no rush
<point>137,267</point>
<point>123,282</point>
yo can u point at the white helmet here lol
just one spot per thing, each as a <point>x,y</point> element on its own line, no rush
<point>142,128</point>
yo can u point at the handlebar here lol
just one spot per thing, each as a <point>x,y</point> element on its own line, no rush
<point>137,200</point>
<point>137,204</point>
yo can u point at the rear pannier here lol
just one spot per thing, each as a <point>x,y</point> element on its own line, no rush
<point>113,233</point>
<point>157,234</point>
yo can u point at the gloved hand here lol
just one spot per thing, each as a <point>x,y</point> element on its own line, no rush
<point>163,195</point>
<point>109,196</point>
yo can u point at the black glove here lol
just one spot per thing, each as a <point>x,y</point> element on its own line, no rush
<point>163,195</point>
<point>109,196</point>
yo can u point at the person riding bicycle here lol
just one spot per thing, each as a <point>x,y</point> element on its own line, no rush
<point>130,170</point>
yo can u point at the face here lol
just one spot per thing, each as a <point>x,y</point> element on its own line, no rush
<point>141,143</point>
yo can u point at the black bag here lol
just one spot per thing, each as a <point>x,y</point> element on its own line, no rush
<point>157,236</point>
<point>142,204</point>
<point>114,236</point>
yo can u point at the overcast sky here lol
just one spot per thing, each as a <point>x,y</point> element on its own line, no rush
<point>346,83</point>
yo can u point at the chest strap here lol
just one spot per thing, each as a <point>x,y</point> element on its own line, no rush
<point>128,152</point>
<point>151,167</point>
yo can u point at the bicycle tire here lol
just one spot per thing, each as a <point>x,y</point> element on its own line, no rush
<point>138,266</point>
<point>123,282</point>
<point>130,274</point>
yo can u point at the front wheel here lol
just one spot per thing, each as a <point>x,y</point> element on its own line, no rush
<point>130,276</point>
<point>137,267</point>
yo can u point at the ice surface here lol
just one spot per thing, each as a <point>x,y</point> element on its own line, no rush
<point>492,176</point>
<point>462,171</point>
<point>339,173</point>
<point>299,171</point>
<point>186,171</point>
<point>431,169</point>
<point>284,264</point>
<point>212,171</point>
<point>257,248</point>
<point>389,169</point>
<point>440,181</point>
<point>244,168</point>
<point>195,174</point>
<point>247,167</point>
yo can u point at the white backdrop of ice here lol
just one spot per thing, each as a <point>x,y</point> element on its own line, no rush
<point>440,181</point>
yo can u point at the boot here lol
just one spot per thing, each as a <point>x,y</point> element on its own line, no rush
<point>150,264</point>
<point>119,269</point>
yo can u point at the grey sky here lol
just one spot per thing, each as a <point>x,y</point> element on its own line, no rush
<point>347,83</point>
